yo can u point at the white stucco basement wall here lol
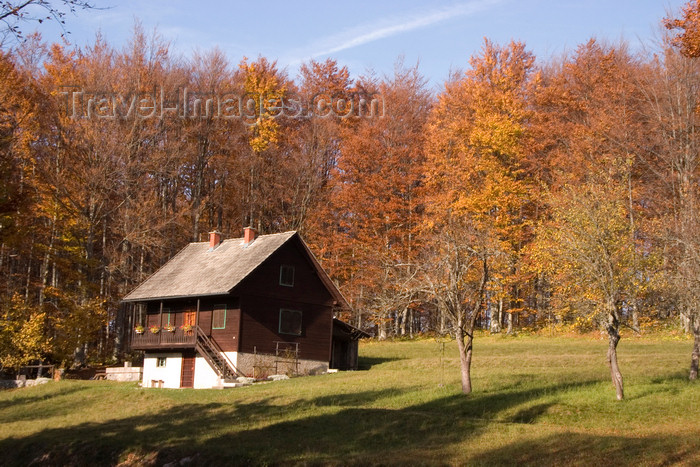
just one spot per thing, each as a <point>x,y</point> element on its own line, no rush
<point>170,374</point>
<point>204,375</point>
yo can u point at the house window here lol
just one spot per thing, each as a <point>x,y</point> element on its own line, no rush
<point>189,318</point>
<point>166,317</point>
<point>290,322</point>
<point>287,275</point>
<point>218,319</point>
<point>160,363</point>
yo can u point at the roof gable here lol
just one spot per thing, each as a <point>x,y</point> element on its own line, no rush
<point>196,271</point>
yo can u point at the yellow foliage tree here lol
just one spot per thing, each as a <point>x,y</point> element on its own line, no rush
<point>265,93</point>
<point>588,251</point>
<point>73,322</point>
<point>22,338</point>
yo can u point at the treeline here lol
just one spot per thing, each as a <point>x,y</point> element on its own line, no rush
<point>536,194</point>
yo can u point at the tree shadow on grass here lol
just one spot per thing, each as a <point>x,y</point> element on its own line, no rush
<point>32,397</point>
<point>530,414</point>
<point>674,377</point>
<point>489,405</point>
<point>365,363</point>
<point>583,449</point>
<point>671,384</point>
<point>356,398</point>
<point>329,429</point>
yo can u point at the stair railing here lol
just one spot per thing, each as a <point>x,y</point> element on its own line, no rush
<point>214,355</point>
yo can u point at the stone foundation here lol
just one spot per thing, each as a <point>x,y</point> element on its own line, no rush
<point>260,366</point>
<point>125,373</point>
<point>22,383</point>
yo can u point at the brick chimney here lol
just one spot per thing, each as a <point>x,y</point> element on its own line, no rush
<point>214,239</point>
<point>249,235</point>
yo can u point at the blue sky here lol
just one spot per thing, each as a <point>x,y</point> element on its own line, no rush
<point>363,35</point>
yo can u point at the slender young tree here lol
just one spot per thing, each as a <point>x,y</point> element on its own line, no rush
<point>477,182</point>
<point>587,245</point>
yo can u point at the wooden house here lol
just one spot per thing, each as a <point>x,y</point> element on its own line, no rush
<point>252,306</point>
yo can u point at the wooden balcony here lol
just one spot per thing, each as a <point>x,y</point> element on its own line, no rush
<point>177,339</point>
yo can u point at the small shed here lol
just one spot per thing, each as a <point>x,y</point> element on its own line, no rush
<point>344,345</point>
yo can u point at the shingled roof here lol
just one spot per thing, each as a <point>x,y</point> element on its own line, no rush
<point>198,271</point>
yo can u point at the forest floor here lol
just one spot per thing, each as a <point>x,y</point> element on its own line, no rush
<point>536,400</point>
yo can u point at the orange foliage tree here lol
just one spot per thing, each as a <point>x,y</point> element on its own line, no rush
<point>479,200</point>
<point>374,197</point>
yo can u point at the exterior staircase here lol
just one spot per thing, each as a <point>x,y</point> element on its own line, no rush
<point>212,353</point>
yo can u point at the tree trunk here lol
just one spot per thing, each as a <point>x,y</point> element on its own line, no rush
<point>500,315</point>
<point>695,356</point>
<point>29,271</point>
<point>685,321</point>
<point>509,329</point>
<point>382,329</point>
<point>404,321</point>
<point>46,263</point>
<point>635,317</point>
<point>465,349</point>
<point>79,355</point>
<point>496,318</point>
<point>613,339</point>
<point>465,359</point>
<point>119,330</point>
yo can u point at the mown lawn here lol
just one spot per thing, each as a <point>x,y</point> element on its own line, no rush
<point>537,400</point>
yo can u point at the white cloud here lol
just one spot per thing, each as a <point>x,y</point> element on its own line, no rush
<point>364,34</point>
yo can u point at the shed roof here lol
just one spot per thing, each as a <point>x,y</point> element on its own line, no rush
<point>198,271</point>
<point>348,330</point>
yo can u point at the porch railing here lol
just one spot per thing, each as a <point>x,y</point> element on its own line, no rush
<point>163,338</point>
<point>193,338</point>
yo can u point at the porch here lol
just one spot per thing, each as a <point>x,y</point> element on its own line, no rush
<point>164,339</point>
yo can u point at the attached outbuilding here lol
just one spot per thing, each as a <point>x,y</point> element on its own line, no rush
<point>344,353</point>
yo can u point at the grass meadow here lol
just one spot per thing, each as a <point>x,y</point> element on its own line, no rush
<point>536,400</point>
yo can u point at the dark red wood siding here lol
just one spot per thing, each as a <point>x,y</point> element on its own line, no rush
<point>252,316</point>
<point>262,297</point>
<point>264,281</point>
<point>227,338</point>
<point>260,327</point>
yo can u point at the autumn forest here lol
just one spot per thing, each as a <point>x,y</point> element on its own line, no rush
<point>523,194</point>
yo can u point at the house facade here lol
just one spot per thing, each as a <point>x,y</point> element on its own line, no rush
<point>253,306</point>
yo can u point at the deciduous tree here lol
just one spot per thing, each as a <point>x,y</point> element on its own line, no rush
<point>15,14</point>
<point>477,185</point>
<point>587,246</point>
<point>375,198</point>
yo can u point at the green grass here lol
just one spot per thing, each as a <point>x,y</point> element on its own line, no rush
<point>537,400</point>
